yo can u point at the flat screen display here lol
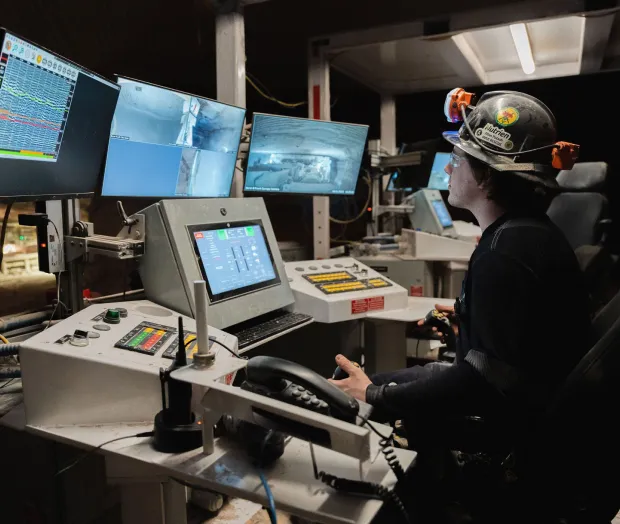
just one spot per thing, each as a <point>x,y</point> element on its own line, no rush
<point>442,213</point>
<point>55,121</point>
<point>439,179</point>
<point>169,144</point>
<point>297,155</point>
<point>234,258</point>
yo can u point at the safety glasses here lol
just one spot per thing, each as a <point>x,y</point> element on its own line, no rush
<point>455,160</point>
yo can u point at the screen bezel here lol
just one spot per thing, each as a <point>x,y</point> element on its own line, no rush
<point>266,192</point>
<point>175,197</point>
<point>107,81</point>
<point>235,293</point>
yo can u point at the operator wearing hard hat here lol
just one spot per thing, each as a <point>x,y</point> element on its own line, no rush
<point>523,314</point>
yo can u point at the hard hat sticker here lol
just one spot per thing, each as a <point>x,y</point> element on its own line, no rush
<point>507,116</point>
<point>495,136</point>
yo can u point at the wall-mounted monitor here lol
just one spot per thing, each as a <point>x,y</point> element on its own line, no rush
<point>170,144</point>
<point>302,156</point>
<point>55,121</point>
<point>439,179</point>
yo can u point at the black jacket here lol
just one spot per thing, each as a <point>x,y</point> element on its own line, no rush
<point>523,325</point>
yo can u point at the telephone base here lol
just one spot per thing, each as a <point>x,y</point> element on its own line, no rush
<point>176,438</point>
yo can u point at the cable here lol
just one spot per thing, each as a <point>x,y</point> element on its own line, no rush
<point>272,503</point>
<point>388,451</point>
<point>273,98</point>
<point>7,383</point>
<point>57,302</point>
<point>5,224</point>
<point>90,452</point>
<point>55,229</point>
<point>364,209</point>
<point>517,153</point>
<point>4,339</point>
<point>224,346</point>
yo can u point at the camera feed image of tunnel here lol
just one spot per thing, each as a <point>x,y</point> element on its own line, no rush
<point>158,116</point>
<point>304,156</point>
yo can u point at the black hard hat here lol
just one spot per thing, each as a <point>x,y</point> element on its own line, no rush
<point>505,122</point>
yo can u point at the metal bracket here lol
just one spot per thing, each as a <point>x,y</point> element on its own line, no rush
<point>130,243</point>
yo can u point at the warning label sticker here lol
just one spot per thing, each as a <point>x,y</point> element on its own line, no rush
<point>376,303</point>
<point>359,306</point>
<point>416,291</point>
<point>495,136</point>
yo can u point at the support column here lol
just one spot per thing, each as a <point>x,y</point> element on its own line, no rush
<point>388,146</point>
<point>319,109</point>
<point>230,71</point>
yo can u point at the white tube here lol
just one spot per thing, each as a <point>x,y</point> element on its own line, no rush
<point>202,328</point>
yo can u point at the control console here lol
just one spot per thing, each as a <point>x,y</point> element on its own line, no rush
<point>103,364</point>
<point>341,289</point>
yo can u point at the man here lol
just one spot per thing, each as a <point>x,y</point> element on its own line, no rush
<point>523,313</point>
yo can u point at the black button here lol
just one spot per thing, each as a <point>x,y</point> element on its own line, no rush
<point>315,402</point>
<point>299,388</point>
<point>296,393</point>
<point>305,397</point>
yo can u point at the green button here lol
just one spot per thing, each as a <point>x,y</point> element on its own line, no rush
<point>112,316</point>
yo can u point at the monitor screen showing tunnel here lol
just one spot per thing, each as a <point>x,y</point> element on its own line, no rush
<point>167,144</point>
<point>296,155</point>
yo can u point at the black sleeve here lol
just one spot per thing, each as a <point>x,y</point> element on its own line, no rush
<point>501,303</point>
<point>454,390</point>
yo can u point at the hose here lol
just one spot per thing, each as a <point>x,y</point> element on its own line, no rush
<point>10,374</point>
<point>29,319</point>
<point>8,350</point>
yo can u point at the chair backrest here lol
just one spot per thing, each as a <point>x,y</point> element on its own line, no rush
<point>574,455</point>
<point>578,216</point>
<point>589,177</point>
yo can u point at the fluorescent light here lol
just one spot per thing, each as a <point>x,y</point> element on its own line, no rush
<point>524,49</point>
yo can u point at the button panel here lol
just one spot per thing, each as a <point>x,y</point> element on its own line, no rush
<point>338,276</point>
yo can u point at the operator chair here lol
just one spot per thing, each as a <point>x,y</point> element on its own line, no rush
<point>565,470</point>
<point>581,212</point>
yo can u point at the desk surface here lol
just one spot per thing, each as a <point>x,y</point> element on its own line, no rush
<point>417,308</point>
<point>228,471</point>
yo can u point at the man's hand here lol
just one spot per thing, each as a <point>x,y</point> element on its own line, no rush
<point>448,311</point>
<point>357,382</point>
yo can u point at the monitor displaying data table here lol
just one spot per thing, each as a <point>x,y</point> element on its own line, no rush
<point>234,258</point>
<point>301,156</point>
<point>55,119</point>
<point>170,144</point>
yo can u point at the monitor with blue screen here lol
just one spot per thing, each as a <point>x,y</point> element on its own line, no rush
<point>234,258</point>
<point>439,179</point>
<point>442,213</point>
<point>297,155</point>
<point>170,144</point>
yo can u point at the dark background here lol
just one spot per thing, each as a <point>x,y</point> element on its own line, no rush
<point>173,44</point>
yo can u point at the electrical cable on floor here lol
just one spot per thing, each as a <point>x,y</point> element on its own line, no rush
<point>273,98</point>
<point>5,224</point>
<point>271,501</point>
<point>90,452</point>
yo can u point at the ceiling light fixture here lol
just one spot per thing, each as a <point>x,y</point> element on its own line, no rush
<point>524,48</point>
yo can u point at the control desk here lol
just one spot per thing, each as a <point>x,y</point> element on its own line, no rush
<point>341,289</point>
<point>102,365</point>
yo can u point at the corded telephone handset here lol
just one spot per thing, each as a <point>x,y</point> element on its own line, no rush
<point>294,384</point>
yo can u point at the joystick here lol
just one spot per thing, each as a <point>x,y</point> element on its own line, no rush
<point>441,322</point>
<point>341,374</point>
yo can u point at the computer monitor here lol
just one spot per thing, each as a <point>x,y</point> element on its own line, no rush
<point>55,121</point>
<point>439,179</point>
<point>169,144</point>
<point>234,258</point>
<point>297,155</point>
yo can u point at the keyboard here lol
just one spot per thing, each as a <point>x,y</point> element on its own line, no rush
<point>253,334</point>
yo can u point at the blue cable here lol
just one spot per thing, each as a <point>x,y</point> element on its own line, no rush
<point>272,503</point>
